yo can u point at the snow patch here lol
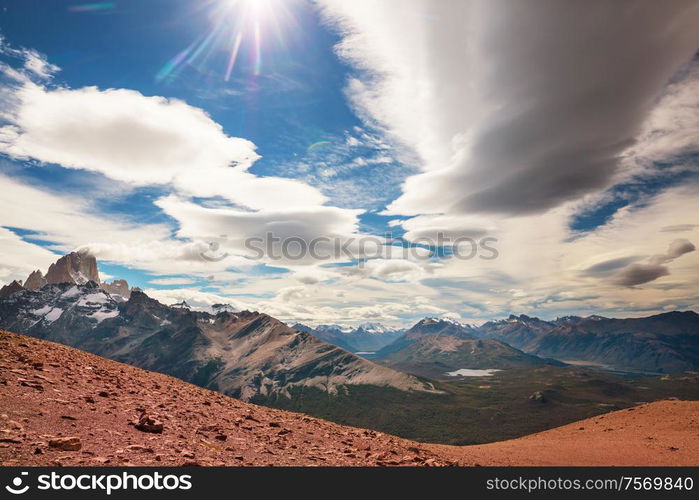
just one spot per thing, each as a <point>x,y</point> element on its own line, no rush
<point>101,315</point>
<point>468,372</point>
<point>41,312</point>
<point>53,314</point>
<point>71,292</point>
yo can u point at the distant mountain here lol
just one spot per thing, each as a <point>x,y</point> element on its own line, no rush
<point>435,356</point>
<point>665,343</point>
<point>76,268</point>
<point>244,354</point>
<point>434,327</point>
<point>8,290</point>
<point>368,337</point>
<point>35,280</point>
<point>434,347</point>
<point>118,289</point>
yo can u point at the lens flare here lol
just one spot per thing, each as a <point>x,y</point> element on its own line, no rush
<point>233,56</point>
<point>257,54</point>
<point>317,145</point>
<point>236,26</point>
<point>92,7</point>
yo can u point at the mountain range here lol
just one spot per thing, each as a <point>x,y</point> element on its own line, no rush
<point>435,347</point>
<point>662,343</point>
<point>365,338</point>
<point>240,354</point>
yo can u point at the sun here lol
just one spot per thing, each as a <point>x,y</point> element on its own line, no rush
<point>233,22</point>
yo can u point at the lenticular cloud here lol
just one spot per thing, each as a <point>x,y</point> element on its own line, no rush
<point>512,107</point>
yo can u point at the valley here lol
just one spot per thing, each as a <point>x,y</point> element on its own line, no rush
<point>473,410</point>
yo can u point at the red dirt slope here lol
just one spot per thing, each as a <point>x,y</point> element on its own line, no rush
<point>660,433</point>
<point>50,392</point>
<point>61,406</point>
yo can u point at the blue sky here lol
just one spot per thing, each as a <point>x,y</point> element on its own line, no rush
<point>296,101</point>
<point>128,130</point>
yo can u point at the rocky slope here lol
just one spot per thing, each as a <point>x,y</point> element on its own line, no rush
<point>368,337</point>
<point>664,343</point>
<point>61,406</point>
<point>240,354</point>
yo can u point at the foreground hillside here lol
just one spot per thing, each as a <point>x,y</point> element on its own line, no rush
<point>50,393</point>
<point>62,406</point>
<point>660,433</point>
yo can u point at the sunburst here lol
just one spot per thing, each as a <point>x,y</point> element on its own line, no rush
<point>234,24</point>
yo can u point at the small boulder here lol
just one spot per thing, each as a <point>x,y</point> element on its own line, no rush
<point>66,444</point>
<point>538,397</point>
<point>148,423</point>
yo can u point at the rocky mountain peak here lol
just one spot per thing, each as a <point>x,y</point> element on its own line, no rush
<point>117,288</point>
<point>439,326</point>
<point>8,290</point>
<point>76,268</point>
<point>35,280</point>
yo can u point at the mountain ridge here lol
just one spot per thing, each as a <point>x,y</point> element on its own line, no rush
<point>241,354</point>
<point>661,343</point>
<point>366,337</point>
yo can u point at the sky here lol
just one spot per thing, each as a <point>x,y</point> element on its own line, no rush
<point>471,159</point>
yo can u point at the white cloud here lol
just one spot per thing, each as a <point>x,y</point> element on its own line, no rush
<point>139,140</point>
<point>34,62</point>
<point>39,66</point>
<point>396,269</point>
<point>234,227</point>
<point>671,131</point>
<point>66,221</point>
<point>19,258</point>
<point>120,133</point>
<point>172,281</point>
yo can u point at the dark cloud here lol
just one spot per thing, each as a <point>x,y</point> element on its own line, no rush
<point>679,228</point>
<point>608,266</point>
<point>577,80</point>
<point>637,274</point>
<point>679,248</point>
